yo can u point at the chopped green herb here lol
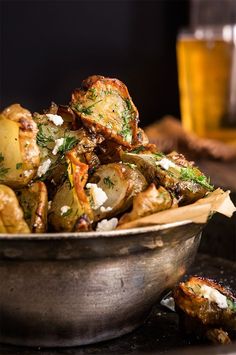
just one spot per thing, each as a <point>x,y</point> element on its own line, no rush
<point>92,94</point>
<point>107,181</point>
<point>231,304</point>
<point>3,170</point>
<point>100,116</point>
<point>68,144</point>
<point>128,103</point>
<point>130,165</point>
<point>108,92</point>
<point>19,166</point>
<point>86,110</point>
<point>159,155</point>
<point>191,174</point>
<point>138,150</point>
<point>42,139</point>
<point>67,213</point>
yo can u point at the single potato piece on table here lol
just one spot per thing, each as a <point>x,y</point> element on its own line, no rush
<point>105,106</point>
<point>11,214</point>
<point>19,153</point>
<point>206,308</point>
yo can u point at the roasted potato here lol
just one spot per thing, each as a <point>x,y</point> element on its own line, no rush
<point>120,183</point>
<point>147,202</point>
<point>11,214</point>
<point>19,153</point>
<point>186,182</point>
<point>105,106</point>
<point>70,202</point>
<point>34,202</point>
<point>206,308</point>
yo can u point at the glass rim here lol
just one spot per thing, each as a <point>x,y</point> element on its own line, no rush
<point>227,32</point>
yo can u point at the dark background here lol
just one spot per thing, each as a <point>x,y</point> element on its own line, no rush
<point>49,47</point>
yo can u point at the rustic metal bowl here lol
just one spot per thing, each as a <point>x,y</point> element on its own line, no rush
<point>81,288</point>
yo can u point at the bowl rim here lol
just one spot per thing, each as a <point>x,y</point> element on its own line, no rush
<point>94,234</point>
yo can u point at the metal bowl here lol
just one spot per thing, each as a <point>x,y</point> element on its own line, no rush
<point>81,288</point>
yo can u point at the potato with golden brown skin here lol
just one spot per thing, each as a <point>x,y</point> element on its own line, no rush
<point>34,202</point>
<point>178,176</point>
<point>147,202</point>
<point>206,308</point>
<point>120,182</point>
<point>105,106</point>
<point>18,148</point>
<point>11,214</point>
<point>70,202</point>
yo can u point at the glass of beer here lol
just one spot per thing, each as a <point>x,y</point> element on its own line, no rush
<point>207,81</point>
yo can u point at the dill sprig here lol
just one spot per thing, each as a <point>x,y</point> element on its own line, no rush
<point>192,174</point>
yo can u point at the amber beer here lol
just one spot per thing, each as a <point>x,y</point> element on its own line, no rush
<point>205,63</point>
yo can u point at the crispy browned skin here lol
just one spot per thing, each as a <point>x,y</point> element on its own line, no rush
<point>34,202</point>
<point>186,182</point>
<point>105,106</point>
<point>146,202</point>
<point>201,315</point>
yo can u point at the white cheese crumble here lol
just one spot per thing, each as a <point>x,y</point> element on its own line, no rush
<point>107,225</point>
<point>56,119</point>
<point>64,209</point>
<point>214,295</point>
<point>42,169</point>
<point>98,195</point>
<point>58,144</point>
<point>27,173</point>
<point>166,163</point>
<point>105,209</point>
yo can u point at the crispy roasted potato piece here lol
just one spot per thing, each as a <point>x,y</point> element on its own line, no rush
<point>70,202</point>
<point>11,214</point>
<point>55,140</point>
<point>177,175</point>
<point>34,202</point>
<point>206,308</point>
<point>105,106</point>
<point>120,182</point>
<point>19,153</point>
<point>147,202</point>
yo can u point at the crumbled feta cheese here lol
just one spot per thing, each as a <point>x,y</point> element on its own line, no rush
<point>58,144</point>
<point>64,209</point>
<point>98,195</point>
<point>214,295</point>
<point>56,119</point>
<point>107,225</point>
<point>166,163</point>
<point>27,173</point>
<point>105,209</point>
<point>42,169</point>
